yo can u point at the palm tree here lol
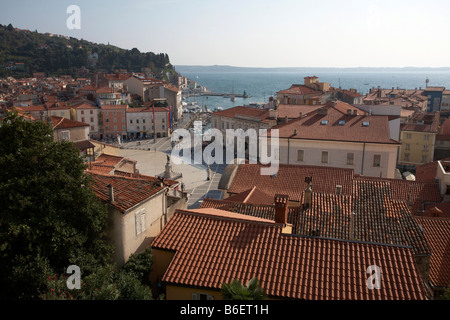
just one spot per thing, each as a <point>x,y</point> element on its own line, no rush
<point>237,291</point>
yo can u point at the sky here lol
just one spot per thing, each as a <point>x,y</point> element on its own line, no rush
<point>255,33</point>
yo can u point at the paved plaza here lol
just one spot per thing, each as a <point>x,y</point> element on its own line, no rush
<point>151,160</point>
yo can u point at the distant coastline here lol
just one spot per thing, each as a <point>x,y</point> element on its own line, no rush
<point>225,68</point>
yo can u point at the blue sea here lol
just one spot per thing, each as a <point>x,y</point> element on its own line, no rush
<point>262,85</point>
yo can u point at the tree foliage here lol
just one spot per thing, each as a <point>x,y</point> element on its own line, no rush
<point>60,56</point>
<point>237,291</point>
<point>50,218</point>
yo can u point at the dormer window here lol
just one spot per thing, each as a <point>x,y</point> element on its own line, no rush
<point>324,122</point>
<point>366,123</point>
<point>341,122</point>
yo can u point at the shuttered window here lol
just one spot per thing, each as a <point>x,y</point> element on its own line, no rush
<point>140,221</point>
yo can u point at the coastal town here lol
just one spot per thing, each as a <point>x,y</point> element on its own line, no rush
<point>359,208</point>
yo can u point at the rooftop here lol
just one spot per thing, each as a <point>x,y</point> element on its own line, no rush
<point>338,123</point>
<point>211,250</point>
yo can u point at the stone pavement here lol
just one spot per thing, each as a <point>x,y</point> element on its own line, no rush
<point>151,159</point>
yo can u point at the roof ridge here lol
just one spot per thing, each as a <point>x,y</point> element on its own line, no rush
<point>229,215</point>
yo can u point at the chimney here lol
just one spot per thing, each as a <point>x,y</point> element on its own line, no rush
<point>338,189</point>
<point>111,193</point>
<point>281,208</point>
<point>355,112</point>
<point>307,196</point>
<point>286,119</point>
<point>436,212</point>
<point>295,132</point>
<point>349,112</point>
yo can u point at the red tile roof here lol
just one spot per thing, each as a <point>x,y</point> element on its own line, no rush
<point>293,111</point>
<point>261,114</point>
<point>339,127</point>
<point>211,250</point>
<point>252,196</point>
<point>437,233</point>
<point>299,89</point>
<point>290,180</point>
<point>64,123</point>
<point>128,192</point>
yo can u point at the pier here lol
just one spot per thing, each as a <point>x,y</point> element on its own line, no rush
<point>215,94</point>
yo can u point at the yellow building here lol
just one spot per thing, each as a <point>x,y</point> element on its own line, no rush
<point>418,139</point>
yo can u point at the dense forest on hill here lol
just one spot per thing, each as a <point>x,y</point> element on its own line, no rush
<point>24,52</point>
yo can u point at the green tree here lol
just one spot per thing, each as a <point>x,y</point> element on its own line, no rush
<point>237,291</point>
<point>49,218</point>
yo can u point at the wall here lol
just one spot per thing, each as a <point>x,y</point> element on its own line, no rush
<point>155,221</point>
<point>76,134</point>
<point>337,155</point>
<point>185,293</point>
<point>416,145</point>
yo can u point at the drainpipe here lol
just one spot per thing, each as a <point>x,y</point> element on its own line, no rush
<point>289,147</point>
<point>363,156</point>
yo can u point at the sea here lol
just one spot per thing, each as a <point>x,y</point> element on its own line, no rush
<point>260,86</point>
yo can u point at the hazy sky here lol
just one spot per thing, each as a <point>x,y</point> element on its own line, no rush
<point>256,33</point>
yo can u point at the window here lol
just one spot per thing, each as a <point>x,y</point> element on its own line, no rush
<point>424,158</point>
<point>406,157</point>
<point>106,128</point>
<point>407,146</point>
<point>144,128</point>
<point>425,147</point>
<point>137,127</point>
<point>115,119</point>
<point>376,160</point>
<point>137,120</point>
<point>163,126</point>
<point>92,112</point>
<point>300,155</point>
<point>324,156</point>
<point>131,121</point>
<point>426,137</point>
<point>140,221</point>
<point>115,128</point>
<point>82,111</point>
<point>82,119</point>
<point>124,128</point>
<point>143,120</point>
<point>64,135</point>
<point>324,122</point>
<point>93,128</point>
<point>106,120</point>
<point>350,157</point>
<point>92,119</point>
<point>202,296</point>
<point>408,136</point>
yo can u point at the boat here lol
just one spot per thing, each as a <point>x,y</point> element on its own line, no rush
<point>233,98</point>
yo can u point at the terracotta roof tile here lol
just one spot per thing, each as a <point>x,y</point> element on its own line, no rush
<point>211,250</point>
<point>128,192</point>
<point>64,123</point>
<point>261,114</point>
<point>437,233</point>
<point>290,180</point>
<point>338,126</point>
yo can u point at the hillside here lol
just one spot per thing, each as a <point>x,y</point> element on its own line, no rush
<point>24,52</point>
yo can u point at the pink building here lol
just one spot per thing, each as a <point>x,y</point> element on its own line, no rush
<point>114,121</point>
